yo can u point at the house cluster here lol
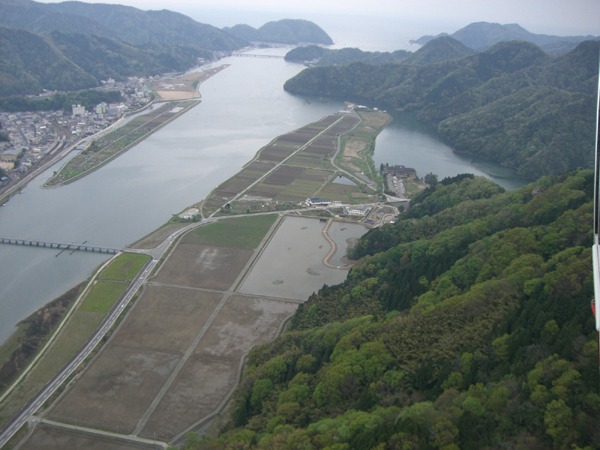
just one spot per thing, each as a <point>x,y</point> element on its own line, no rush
<point>399,171</point>
<point>33,135</point>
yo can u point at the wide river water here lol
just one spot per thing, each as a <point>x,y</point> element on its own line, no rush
<point>243,108</point>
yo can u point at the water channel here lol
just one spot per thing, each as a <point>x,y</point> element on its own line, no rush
<point>242,109</point>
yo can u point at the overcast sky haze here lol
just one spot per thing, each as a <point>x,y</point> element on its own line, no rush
<point>561,17</point>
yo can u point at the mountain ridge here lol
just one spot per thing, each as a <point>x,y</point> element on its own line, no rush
<point>509,79</point>
<point>126,23</point>
<point>482,35</point>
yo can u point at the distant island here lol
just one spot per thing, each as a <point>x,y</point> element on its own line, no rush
<point>286,31</point>
<point>482,35</point>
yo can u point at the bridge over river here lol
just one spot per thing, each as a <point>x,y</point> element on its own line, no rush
<point>251,55</point>
<point>60,246</point>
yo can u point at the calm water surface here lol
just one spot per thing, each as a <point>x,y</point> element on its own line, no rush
<point>412,144</point>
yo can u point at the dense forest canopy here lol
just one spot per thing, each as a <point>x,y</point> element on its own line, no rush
<point>69,62</point>
<point>441,49</point>
<point>124,23</point>
<point>466,325</point>
<point>513,104</point>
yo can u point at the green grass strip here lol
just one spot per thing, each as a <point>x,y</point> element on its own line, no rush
<point>126,267</point>
<point>245,232</point>
<point>103,296</point>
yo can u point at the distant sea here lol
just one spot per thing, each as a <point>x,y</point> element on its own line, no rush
<point>368,33</point>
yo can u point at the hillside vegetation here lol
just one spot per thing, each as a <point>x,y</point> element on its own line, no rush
<point>482,35</point>
<point>124,23</point>
<point>68,62</point>
<point>466,325</point>
<point>513,104</point>
<point>442,49</point>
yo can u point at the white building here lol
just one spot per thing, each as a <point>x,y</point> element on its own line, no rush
<point>356,210</point>
<point>78,110</point>
<point>316,201</point>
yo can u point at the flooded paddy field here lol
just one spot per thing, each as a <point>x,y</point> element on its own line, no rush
<point>344,235</point>
<point>292,264</point>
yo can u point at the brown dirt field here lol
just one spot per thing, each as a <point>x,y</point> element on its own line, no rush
<point>203,266</point>
<point>275,153</point>
<point>324,141</point>
<point>155,238</point>
<point>375,118</point>
<point>284,175</point>
<point>167,318</point>
<point>353,147</point>
<point>236,184</point>
<point>196,393</point>
<point>262,190</point>
<point>177,95</point>
<point>288,198</point>
<point>243,323</point>
<point>210,374</point>
<point>260,167</point>
<point>297,138</point>
<point>314,177</point>
<point>325,122</point>
<point>52,438</point>
<point>318,150</point>
<point>117,389</point>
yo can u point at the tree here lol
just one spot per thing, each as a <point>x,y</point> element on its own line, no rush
<point>431,179</point>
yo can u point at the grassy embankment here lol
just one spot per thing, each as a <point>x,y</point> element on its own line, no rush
<point>110,285</point>
<point>359,144</point>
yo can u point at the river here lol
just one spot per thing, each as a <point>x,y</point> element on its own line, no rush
<point>242,109</point>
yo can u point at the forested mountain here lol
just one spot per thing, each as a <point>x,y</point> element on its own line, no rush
<point>482,35</point>
<point>286,31</point>
<point>125,23</point>
<point>513,104</point>
<point>469,327</point>
<point>327,57</point>
<point>68,61</point>
<point>30,64</point>
<point>441,49</point>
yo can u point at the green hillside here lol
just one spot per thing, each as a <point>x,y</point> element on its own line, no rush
<point>469,327</point>
<point>69,62</point>
<point>438,50</point>
<point>482,35</point>
<point>31,64</point>
<point>124,23</point>
<point>513,104</point>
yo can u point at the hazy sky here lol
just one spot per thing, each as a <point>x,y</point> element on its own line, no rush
<point>562,17</point>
